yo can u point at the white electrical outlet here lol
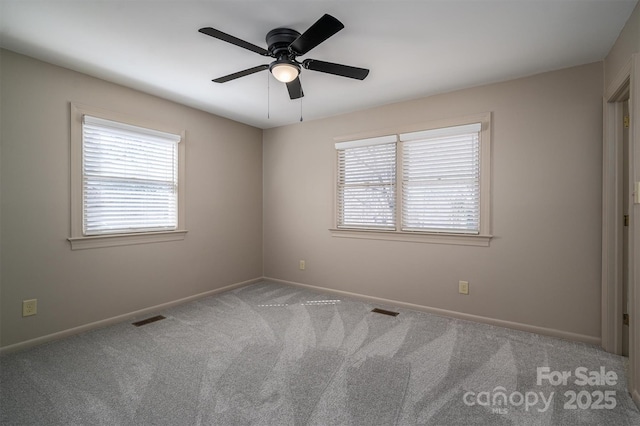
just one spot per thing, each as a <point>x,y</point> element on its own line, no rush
<point>463,287</point>
<point>29,307</point>
<point>302,265</point>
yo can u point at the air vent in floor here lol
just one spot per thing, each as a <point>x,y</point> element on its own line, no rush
<point>385,312</point>
<point>148,320</point>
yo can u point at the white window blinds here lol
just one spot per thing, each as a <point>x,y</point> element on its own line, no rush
<point>441,180</point>
<point>367,183</point>
<point>129,178</point>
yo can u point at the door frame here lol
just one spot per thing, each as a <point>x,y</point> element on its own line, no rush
<point>627,81</point>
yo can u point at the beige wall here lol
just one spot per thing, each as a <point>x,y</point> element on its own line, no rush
<point>543,266</point>
<point>74,288</point>
<point>628,42</point>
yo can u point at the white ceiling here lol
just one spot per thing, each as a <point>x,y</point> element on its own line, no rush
<point>413,48</point>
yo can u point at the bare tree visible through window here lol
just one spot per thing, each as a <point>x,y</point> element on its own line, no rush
<point>440,181</point>
<point>366,186</point>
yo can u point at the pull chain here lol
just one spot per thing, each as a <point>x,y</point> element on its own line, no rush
<point>300,109</point>
<point>268,97</point>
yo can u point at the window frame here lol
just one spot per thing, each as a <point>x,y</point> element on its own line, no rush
<point>482,238</point>
<point>80,241</point>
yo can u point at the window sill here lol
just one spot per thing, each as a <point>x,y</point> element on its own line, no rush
<point>97,241</point>
<point>414,237</point>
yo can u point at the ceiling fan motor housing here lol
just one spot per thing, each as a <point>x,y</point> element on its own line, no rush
<point>279,40</point>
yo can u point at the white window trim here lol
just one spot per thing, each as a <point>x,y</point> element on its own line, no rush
<point>413,237</point>
<point>482,239</point>
<point>77,239</point>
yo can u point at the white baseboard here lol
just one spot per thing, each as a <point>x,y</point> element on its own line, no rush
<point>460,315</point>
<point>120,318</point>
<point>636,397</point>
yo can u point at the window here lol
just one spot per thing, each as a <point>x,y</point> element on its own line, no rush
<point>441,180</point>
<point>437,179</point>
<point>126,182</point>
<point>367,183</point>
<point>129,178</point>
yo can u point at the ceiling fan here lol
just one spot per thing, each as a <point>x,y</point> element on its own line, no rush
<point>285,45</point>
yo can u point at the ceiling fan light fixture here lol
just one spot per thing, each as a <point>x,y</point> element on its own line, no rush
<point>285,71</point>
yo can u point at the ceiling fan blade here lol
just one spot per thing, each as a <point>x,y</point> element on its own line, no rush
<point>233,40</point>
<point>241,74</point>
<point>295,89</point>
<point>336,69</point>
<point>323,28</point>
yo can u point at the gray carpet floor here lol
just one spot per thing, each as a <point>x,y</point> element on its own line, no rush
<point>270,354</point>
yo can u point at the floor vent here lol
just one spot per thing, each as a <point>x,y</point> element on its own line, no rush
<point>148,320</point>
<point>385,312</point>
